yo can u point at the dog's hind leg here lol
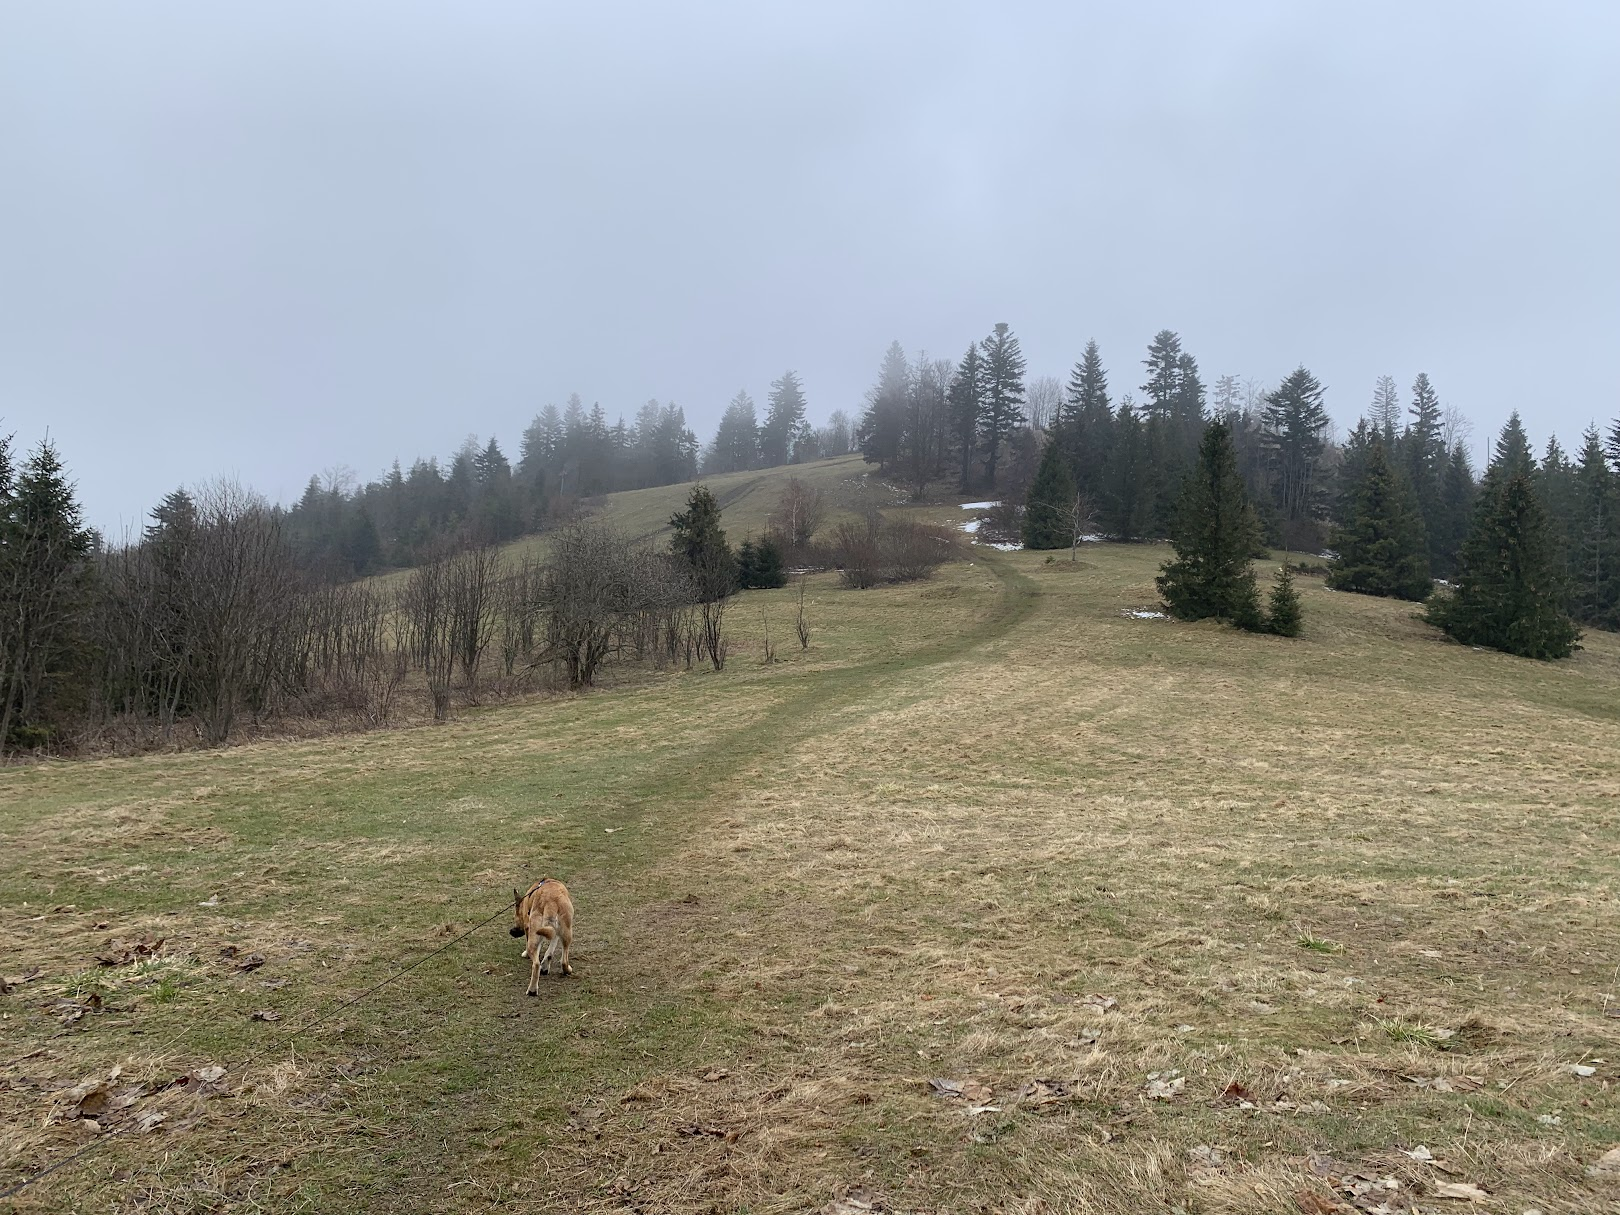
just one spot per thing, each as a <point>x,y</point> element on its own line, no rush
<point>567,935</point>
<point>533,952</point>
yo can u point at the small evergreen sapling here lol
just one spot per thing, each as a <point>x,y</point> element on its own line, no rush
<point>1284,615</point>
<point>759,565</point>
<point>701,543</point>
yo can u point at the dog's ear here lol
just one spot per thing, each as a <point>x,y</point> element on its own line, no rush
<point>516,897</point>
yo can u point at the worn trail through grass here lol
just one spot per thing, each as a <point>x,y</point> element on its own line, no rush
<point>449,1041</point>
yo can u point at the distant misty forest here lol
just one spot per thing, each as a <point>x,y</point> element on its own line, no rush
<point>227,607</point>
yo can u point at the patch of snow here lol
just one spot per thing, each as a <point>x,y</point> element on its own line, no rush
<point>979,505</point>
<point>1092,538</point>
<point>1006,548</point>
<point>1144,614</point>
<point>972,525</point>
<point>1328,554</point>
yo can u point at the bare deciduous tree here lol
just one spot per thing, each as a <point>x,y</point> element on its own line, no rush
<point>1080,519</point>
<point>799,512</point>
<point>926,436</point>
<point>424,606</point>
<point>801,622</point>
<point>472,582</point>
<point>1043,401</point>
<point>240,582</point>
<point>594,587</point>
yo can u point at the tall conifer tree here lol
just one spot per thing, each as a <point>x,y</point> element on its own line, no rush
<point>1381,546</point>
<point>967,404</point>
<point>1003,395</point>
<point>784,415</point>
<point>1595,538</point>
<point>1216,535</point>
<point>1510,590</point>
<point>1085,425</point>
<point>1048,510</point>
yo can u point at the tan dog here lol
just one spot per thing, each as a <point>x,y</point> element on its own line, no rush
<point>546,911</point>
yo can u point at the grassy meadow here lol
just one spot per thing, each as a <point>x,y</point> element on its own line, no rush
<point>1179,919</point>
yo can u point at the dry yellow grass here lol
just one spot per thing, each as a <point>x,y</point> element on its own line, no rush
<point>1199,921</point>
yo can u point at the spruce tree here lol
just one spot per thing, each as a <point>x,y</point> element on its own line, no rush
<point>1297,422</point>
<point>44,580</point>
<point>1554,482</point>
<point>1048,509</point>
<point>1510,593</point>
<point>1595,539</point>
<point>1457,496</point>
<point>1284,614</point>
<point>759,565</point>
<point>1353,467</point>
<point>1163,385</point>
<point>1188,414</point>
<point>174,517</point>
<point>700,542</point>
<point>967,403</point>
<point>1511,454</point>
<point>1381,545</point>
<point>1003,395</point>
<point>736,442</point>
<point>1423,445</point>
<point>1385,412</point>
<point>784,414</point>
<point>882,428</point>
<point>1129,479</point>
<point>1086,424</point>
<point>1216,534</point>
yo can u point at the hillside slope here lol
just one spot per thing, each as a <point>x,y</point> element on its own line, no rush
<point>1189,919</point>
<point>746,499</point>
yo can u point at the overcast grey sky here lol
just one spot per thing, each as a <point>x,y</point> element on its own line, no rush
<point>268,239</point>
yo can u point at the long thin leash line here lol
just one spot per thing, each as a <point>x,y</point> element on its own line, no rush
<point>286,1036</point>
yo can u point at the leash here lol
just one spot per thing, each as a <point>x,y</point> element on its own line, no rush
<point>286,1035</point>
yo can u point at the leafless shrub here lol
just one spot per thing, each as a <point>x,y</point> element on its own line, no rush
<point>384,680</point>
<point>769,654</point>
<point>801,623</point>
<point>872,552</point>
<point>424,606</point>
<point>799,514</point>
<point>595,587</point>
<point>857,555</point>
<point>912,550</point>
<point>472,584</point>
<point>711,632</point>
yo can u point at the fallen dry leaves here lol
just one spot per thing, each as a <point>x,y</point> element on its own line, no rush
<point>121,952</point>
<point>10,983</point>
<point>108,1103</point>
